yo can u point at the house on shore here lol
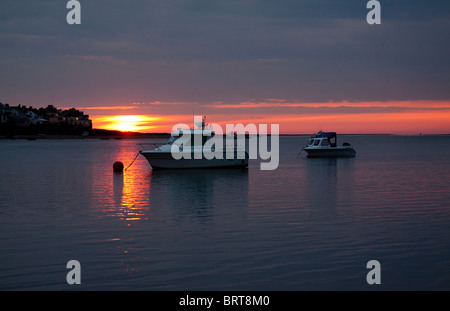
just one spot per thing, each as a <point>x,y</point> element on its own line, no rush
<point>48,120</point>
<point>77,118</point>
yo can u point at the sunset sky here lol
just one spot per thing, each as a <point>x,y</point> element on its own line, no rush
<point>307,65</point>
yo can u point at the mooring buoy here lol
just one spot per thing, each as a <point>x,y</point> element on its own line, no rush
<point>118,166</point>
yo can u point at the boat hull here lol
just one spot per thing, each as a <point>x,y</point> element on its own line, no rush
<point>165,160</point>
<point>346,152</point>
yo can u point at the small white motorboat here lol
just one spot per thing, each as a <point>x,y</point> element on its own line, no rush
<point>324,145</point>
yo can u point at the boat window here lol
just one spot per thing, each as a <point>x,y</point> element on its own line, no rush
<point>325,142</point>
<point>310,142</point>
<point>205,139</point>
<point>199,140</point>
<point>333,141</point>
<point>172,139</point>
<point>317,142</point>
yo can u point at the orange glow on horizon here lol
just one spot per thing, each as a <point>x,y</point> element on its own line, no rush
<point>273,103</point>
<point>125,123</point>
<point>411,122</point>
<point>426,117</point>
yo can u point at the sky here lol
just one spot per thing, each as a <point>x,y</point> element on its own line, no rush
<point>305,65</point>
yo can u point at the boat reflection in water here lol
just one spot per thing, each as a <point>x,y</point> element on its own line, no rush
<point>199,194</point>
<point>330,184</point>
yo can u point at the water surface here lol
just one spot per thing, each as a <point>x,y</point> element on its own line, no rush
<point>311,224</point>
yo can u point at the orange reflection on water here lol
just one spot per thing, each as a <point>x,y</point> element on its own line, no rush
<point>130,188</point>
<point>127,197</point>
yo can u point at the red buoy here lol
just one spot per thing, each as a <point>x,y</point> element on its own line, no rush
<point>118,166</point>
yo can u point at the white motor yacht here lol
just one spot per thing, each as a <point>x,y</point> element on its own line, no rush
<point>179,153</point>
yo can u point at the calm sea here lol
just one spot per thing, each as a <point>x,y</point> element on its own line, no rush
<point>311,224</point>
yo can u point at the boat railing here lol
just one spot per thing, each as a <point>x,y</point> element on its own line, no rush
<point>154,145</point>
<point>225,146</point>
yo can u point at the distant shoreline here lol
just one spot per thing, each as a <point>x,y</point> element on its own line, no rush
<point>111,134</point>
<point>93,134</point>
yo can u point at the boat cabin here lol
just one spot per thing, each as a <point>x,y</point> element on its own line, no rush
<point>323,139</point>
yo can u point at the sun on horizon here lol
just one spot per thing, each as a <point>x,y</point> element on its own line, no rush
<point>126,123</point>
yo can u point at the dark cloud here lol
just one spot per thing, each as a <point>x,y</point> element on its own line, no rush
<point>211,50</point>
